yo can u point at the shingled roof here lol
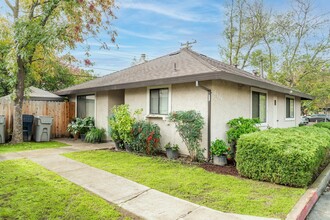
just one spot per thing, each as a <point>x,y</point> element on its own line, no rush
<point>36,94</point>
<point>182,66</point>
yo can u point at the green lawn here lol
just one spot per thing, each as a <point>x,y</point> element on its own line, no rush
<point>221,192</point>
<point>28,191</point>
<point>6,148</point>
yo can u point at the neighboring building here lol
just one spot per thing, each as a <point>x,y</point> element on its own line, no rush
<point>36,94</point>
<point>187,80</point>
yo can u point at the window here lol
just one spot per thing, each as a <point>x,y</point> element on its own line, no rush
<point>289,107</point>
<point>259,101</point>
<point>159,101</point>
<point>85,106</point>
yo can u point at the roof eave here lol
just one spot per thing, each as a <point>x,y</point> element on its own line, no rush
<point>192,78</point>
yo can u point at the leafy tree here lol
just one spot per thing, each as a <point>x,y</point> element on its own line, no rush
<point>247,25</point>
<point>42,28</point>
<point>292,47</point>
<point>56,75</point>
<point>6,82</point>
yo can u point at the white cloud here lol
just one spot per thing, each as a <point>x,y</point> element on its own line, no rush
<point>153,36</point>
<point>170,11</point>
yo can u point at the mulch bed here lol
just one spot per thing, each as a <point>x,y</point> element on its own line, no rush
<point>227,170</point>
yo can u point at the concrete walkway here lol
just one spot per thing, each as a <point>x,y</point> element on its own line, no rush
<point>135,198</point>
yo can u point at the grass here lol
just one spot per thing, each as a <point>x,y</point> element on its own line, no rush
<point>6,148</point>
<point>221,192</point>
<point>28,191</point>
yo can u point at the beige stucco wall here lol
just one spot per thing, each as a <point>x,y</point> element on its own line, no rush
<point>182,97</point>
<point>102,110</point>
<point>280,119</point>
<point>105,100</point>
<point>229,100</point>
<point>115,97</point>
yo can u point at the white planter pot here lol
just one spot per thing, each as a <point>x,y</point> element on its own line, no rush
<point>220,160</point>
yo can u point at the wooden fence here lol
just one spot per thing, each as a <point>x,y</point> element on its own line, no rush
<point>61,112</point>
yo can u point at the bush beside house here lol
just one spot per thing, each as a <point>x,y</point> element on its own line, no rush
<point>189,125</point>
<point>145,137</point>
<point>289,156</point>
<point>323,125</point>
<point>238,127</point>
<point>137,135</point>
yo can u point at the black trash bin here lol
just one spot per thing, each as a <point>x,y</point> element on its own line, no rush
<point>27,127</point>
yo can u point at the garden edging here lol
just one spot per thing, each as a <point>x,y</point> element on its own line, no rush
<point>308,200</point>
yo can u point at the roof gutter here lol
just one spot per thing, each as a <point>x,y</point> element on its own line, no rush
<point>209,92</point>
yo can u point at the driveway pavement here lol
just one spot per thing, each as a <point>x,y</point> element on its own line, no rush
<point>133,197</point>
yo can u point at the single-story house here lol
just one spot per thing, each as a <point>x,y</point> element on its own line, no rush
<point>186,80</point>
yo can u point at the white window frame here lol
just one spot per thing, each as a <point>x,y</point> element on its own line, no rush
<point>86,94</point>
<point>263,124</point>
<point>149,115</point>
<point>294,107</point>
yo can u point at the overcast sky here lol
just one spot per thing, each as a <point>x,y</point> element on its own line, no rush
<point>156,28</point>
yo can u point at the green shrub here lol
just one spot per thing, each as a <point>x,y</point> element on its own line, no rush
<point>145,137</point>
<point>81,125</point>
<point>95,135</point>
<point>238,127</point>
<point>121,123</point>
<point>174,147</point>
<point>323,125</point>
<point>290,156</point>
<point>219,147</point>
<point>189,124</point>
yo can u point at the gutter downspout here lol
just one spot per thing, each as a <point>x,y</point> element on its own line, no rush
<point>208,118</point>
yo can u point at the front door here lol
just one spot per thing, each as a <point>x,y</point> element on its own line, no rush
<point>275,119</point>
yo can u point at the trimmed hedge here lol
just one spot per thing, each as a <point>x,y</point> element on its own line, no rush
<point>290,156</point>
<point>323,125</point>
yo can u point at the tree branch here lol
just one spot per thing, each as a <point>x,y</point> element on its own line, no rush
<point>33,6</point>
<point>10,6</point>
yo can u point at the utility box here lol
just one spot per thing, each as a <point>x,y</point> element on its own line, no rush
<point>27,127</point>
<point>43,126</point>
<point>2,129</point>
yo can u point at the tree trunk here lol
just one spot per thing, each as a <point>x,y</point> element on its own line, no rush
<point>18,105</point>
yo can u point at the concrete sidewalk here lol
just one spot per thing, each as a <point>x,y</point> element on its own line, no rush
<point>135,198</point>
<point>74,146</point>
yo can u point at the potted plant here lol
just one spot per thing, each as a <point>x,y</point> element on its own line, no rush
<point>95,135</point>
<point>73,129</point>
<point>85,125</point>
<point>172,151</point>
<point>219,150</point>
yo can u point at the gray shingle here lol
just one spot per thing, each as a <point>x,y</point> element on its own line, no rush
<point>184,65</point>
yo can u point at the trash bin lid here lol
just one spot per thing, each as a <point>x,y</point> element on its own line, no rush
<point>28,118</point>
<point>45,119</point>
<point>2,119</point>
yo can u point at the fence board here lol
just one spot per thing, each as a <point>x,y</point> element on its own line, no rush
<point>61,112</point>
